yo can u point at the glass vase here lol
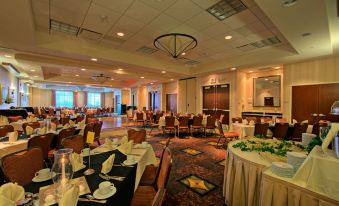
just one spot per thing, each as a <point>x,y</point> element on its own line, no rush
<point>62,170</point>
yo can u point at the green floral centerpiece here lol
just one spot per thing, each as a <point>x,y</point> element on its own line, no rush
<point>8,100</point>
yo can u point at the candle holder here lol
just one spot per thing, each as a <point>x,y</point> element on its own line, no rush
<point>62,170</point>
<point>89,171</point>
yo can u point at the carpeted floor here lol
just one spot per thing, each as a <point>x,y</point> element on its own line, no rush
<point>198,166</point>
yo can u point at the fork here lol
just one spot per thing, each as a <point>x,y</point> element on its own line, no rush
<point>108,177</point>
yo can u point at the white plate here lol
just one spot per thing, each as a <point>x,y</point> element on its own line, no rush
<point>99,196</point>
<point>37,179</point>
<point>129,163</point>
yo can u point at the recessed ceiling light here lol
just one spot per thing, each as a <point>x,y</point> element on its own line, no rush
<point>69,82</point>
<point>163,72</point>
<point>112,79</point>
<point>250,71</point>
<point>183,53</point>
<point>35,76</point>
<point>77,75</point>
<point>120,69</point>
<point>228,37</point>
<point>94,59</point>
<point>8,56</point>
<point>266,79</point>
<point>276,67</point>
<point>172,79</point>
<point>83,69</point>
<point>233,68</point>
<point>142,77</point>
<point>151,83</point>
<point>120,34</point>
<point>289,3</point>
<point>32,70</point>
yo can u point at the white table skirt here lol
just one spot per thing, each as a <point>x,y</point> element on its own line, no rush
<point>243,130</point>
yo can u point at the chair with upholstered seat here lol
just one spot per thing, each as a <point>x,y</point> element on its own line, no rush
<point>183,125</point>
<point>298,130</point>
<point>20,167</point>
<point>42,141</point>
<point>88,128</point>
<point>210,124</point>
<point>74,142</point>
<point>140,118</point>
<point>236,119</point>
<point>97,130</point>
<point>64,134</point>
<point>280,130</point>
<point>169,124</point>
<point>145,195</point>
<point>5,129</point>
<point>34,125</point>
<point>260,129</point>
<point>197,124</point>
<point>14,118</point>
<point>138,136</point>
<point>228,136</point>
<point>65,120</point>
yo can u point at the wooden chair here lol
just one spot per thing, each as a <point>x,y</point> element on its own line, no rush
<point>316,127</point>
<point>226,135</point>
<point>138,136</point>
<point>14,118</point>
<point>169,124</point>
<point>183,124</point>
<point>74,142</point>
<point>64,134</point>
<point>236,119</point>
<point>5,129</point>
<point>261,129</point>
<point>159,197</point>
<point>254,119</point>
<point>21,166</point>
<point>210,124</point>
<point>97,130</point>
<point>280,130</point>
<point>79,119</point>
<point>140,118</point>
<point>298,130</point>
<point>65,120</point>
<point>145,195</point>
<point>42,141</point>
<point>91,120</point>
<point>197,124</point>
<point>34,125</point>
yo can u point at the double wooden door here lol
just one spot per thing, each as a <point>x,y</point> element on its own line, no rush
<point>171,103</point>
<point>216,100</point>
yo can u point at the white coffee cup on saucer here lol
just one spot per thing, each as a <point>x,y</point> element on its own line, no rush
<point>105,187</point>
<point>130,159</point>
<point>85,151</point>
<point>144,144</point>
<point>43,174</point>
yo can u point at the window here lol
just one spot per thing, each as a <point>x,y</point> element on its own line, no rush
<point>64,99</point>
<point>94,100</point>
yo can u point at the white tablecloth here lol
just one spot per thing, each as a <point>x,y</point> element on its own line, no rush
<point>8,148</point>
<point>243,130</point>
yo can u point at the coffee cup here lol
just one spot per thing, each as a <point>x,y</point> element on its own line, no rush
<point>85,151</point>
<point>144,144</point>
<point>130,158</point>
<point>44,173</point>
<point>105,187</point>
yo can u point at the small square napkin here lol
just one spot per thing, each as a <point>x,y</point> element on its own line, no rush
<point>70,197</point>
<point>108,164</point>
<point>77,162</point>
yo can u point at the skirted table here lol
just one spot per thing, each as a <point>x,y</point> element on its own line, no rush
<point>248,181</point>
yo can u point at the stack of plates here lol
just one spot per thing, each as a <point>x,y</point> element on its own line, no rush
<point>282,169</point>
<point>295,159</point>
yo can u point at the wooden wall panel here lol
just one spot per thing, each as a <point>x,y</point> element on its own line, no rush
<point>328,94</point>
<point>190,95</point>
<point>304,102</point>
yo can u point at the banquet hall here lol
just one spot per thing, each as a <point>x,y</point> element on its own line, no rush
<point>169,102</point>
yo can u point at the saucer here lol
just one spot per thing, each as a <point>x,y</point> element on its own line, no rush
<point>129,163</point>
<point>38,179</point>
<point>99,196</point>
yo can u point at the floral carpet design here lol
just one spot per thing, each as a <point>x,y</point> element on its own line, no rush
<point>197,184</point>
<point>191,151</point>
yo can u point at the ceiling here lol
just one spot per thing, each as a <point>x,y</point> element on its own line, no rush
<point>304,30</point>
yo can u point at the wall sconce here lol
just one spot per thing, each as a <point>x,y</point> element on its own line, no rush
<point>12,88</point>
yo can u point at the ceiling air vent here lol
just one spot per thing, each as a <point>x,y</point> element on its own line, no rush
<point>55,25</point>
<point>88,34</point>
<point>266,42</point>
<point>226,8</point>
<point>191,62</point>
<point>246,47</point>
<point>146,50</point>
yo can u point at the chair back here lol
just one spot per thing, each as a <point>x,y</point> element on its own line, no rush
<point>42,141</point>
<point>298,130</point>
<point>316,127</point>
<point>21,166</point>
<point>14,118</point>
<point>64,134</point>
<point>210,122</point>
<point>254,119</point>
<point>79,118</point>
<point>65,120</point>
<point>280,130</point>
<point>34,125</point>
<point>261,129</point>
<point>97,128</point>
<point>55,121</point>
<point>164,169</point>
<point>5,129</point>
<point>140,116</point>
<point>138,136</point>
<point>183,121</point>
<point>75,142</point>
<point>91,120</point>
<point>219,127</point>
<point>237,119</point>
<point>88,128</point>
<point>159,197</point>
<point>150,116</point>
<point>197,121</point>
<point>169,121</point>
<point>281,120</point>
<point>158,115</point>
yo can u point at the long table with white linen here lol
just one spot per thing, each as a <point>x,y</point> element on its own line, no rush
<point>248,181</point>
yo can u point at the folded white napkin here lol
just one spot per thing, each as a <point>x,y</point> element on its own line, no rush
<point>42,131</point>
<point>252,122</point>
<point>77,162</point>
<point>124,140</point>
<point>304,122</point>
<point>29,130</point>
<point>330,136</point>
<point>66,126</point>
<point>126,148</point>
<point>12,136</point>
<point>11,192</point>
<point>244,121</point>
<point>70,197</point>
<point>71,123</point>
<point>108,164</point>
<point>294,121</point>
<point>100,149</point>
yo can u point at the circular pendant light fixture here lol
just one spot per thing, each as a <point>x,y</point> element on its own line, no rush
<point>175,44</point>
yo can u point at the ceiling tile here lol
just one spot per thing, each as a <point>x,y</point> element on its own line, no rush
<point>202,20</point>
<point>114,5</point>
<point>185,29</point>
<point>41,13</point>
<point>100,19</point>
<point>159,5</point>
<point>200,36</point>
<point>183,10</point>
<point>241,19</point>
<point>204,4</point>
<point>141,12</point>
<point>257,26</point>
<point>216,29</point>
<point>164,22</point>
<point>126,25</point>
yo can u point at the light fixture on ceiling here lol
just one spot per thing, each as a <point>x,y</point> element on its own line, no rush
<point>288,3</point>
<point>228,37</point>
<point>163,72</point>
<point>32,70</point>
<point>77,75</point>
<point>35,76</point>
<point>151,83</point>
<point>101,78</point>
<point>120,69</point>
<point>83,69</point>
<point>266,79</point>
<point>277,67</point>
<point>112,79</point>
<point>233,68</point>
<point>142,77</point>
<point>120,34</point>
<point>94,59</point>
<point>171,79</point>
<point>251,71</point>
<point>7,56</point>
<point>175,44</point>
<point>183,53</point>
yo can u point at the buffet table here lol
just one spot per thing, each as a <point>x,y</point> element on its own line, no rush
<point>248,180</point>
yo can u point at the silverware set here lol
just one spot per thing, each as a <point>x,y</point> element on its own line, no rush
<point>109,177</point>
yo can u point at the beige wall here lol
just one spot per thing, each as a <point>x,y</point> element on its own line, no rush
<point>169,88</point>
<point>317,71</point>
<point>187,96</point>
<point>109,99</point>
<point>141,97</point>
<point>40,97</point>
